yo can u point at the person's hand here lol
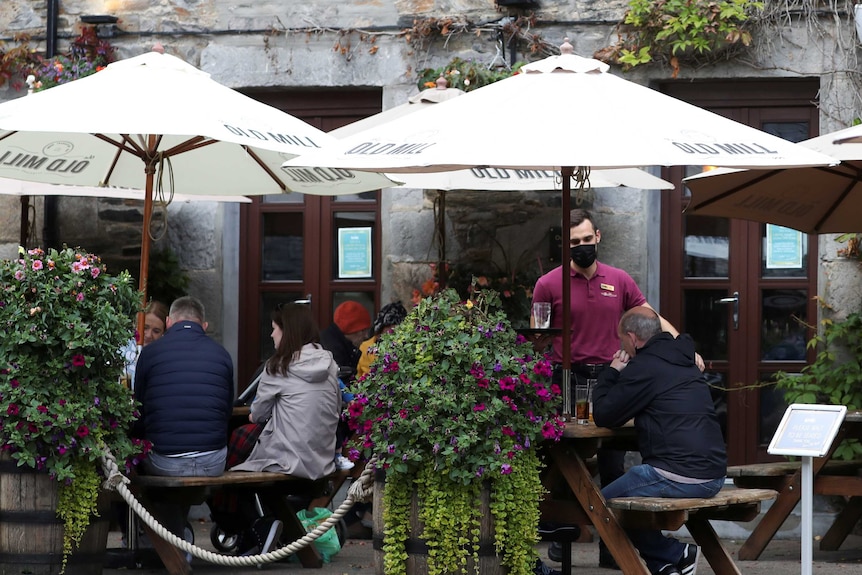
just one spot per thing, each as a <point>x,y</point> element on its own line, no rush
<point>698,361</point>
<point>620,360</point>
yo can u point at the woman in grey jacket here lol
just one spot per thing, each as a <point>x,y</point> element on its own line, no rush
<point>295,412</point>
<point>298,400</point>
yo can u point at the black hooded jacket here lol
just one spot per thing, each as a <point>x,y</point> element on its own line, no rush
<point>666,394</point>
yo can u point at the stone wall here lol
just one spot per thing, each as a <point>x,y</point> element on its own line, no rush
<point>356,43</point>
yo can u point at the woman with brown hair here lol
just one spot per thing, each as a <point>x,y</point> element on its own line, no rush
<point>293,417</point>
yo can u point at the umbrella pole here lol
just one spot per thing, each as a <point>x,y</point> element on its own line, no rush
<point>567,173</point>
<point>25,220</point>
<point>145,236</point>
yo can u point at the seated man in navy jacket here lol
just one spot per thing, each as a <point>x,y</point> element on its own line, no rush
<point>654,380</point>
<point>184,382</point>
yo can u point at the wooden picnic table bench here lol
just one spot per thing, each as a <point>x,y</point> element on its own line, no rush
<point>831,477</point>
<point>195,490</point>
<point>730,504</point>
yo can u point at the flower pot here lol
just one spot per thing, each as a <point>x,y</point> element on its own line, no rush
<point>416,547</point>
<point>31,534</point>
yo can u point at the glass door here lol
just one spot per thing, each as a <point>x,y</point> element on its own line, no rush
<point>743,290</point>
<point>314,249</point>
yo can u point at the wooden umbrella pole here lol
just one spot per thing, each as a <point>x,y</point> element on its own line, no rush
<point>150,168</point>
<point>567,172</point>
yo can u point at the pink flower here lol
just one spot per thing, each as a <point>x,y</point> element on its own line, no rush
<point>506,469</point>
<point>508,431</point>
<point>19,275</point>
<point>480,407</point>
<point>80,296</point>
<point>79,360</point>
<point>95,272</point>
<point>37,264</point>
<point>12,409</point>
<point>83,431</point>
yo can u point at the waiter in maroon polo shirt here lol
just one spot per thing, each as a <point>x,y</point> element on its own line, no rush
<point>600,295</point>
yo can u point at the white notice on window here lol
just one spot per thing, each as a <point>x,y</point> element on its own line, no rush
<point>783,248</point>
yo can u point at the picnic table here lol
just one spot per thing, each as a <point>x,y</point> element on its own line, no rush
<point>568,459</point>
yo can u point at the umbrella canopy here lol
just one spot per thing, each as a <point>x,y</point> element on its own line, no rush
<point>155,122</point>
<point>819,199</point>
<point>560,113</point>
<point>21,188</point>
<point>489,179</point>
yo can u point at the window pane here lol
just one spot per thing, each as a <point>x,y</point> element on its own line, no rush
<point>289,198</point>
<point>363,197</point>
<point>772,408</point>
<point>791,131</point>
<point>706,247</point>
<point>282,252</point>
<point>782,329</point>
<point>706,322</point>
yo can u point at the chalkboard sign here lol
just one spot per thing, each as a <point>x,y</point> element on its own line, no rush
<point>807,430</point>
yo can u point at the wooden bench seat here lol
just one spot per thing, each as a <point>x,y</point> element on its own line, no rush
<point>777,474</point>
<point>730,504</point>
<point>195,490</point>
<point>776,468</point>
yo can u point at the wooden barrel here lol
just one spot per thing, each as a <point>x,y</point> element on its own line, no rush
<point>31,534</point>
<point>417,549</point>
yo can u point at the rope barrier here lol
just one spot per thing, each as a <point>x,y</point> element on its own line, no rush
<point>360,490</point>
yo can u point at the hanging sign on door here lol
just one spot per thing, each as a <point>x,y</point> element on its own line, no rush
<point>783,248</point>
<point>354,253</point>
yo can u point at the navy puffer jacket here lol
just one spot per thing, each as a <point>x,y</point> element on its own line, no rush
<point>184,381</point>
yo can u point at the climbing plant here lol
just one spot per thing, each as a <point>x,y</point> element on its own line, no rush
<point>672,31</point>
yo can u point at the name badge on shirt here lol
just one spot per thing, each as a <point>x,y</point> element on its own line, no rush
<point>608,287</point>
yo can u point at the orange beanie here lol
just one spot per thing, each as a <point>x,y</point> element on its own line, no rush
<point>351,317</point>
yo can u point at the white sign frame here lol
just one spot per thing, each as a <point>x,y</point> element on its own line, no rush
<point>807,430</point>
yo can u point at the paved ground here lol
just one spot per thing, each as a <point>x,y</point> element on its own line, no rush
<point>780,558</point>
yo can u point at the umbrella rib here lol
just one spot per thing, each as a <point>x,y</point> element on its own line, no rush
<point>188,146</point>
<point>734,190</point>
<point>836,203</point>
<point>265,168</point>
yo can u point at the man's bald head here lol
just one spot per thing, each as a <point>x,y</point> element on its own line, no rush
<point>641,321</point>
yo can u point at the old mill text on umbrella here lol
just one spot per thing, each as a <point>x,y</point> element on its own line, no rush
<point>712,148</point>
<point>304,141</point>
<point>775,206</point>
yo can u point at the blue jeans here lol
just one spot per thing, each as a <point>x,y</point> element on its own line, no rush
<point>209,465</point>
<point>644,481</point>
<point>173,514</point>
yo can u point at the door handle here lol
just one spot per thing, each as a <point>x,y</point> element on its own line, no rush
<point>734,299</point>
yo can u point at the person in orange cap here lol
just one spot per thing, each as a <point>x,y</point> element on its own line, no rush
<point>349,328</point>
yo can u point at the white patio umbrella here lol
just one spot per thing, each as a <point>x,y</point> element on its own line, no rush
<point>155,122</point>
<point>488,179</point>
<point>562,113</point>
<point>10,187</point>
<point>817,200</point>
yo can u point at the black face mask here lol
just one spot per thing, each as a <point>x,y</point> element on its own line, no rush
<point>584,255</point>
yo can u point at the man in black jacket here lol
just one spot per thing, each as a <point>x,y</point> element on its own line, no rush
<point>184,381</point>
<point>654,380</point>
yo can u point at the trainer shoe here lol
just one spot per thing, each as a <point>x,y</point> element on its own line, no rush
<point>342,463</point>
<point>668,570</point>
<point>267,531</point>
<point>555,551</point>
<point>688,564</point>
<point>541,569</point>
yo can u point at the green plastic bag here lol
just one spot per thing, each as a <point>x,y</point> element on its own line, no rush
<point>327,544</point>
